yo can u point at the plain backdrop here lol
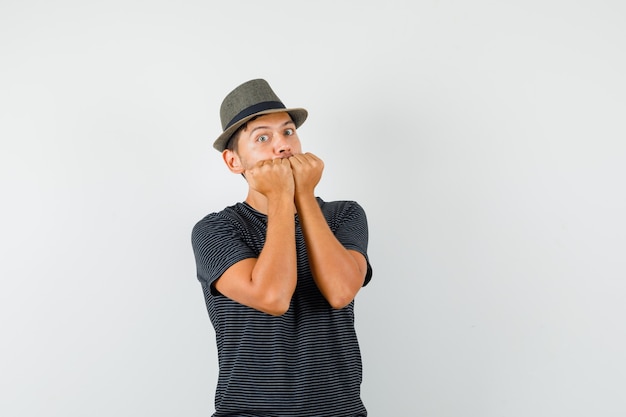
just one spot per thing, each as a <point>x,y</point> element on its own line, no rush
<point>485,140</point>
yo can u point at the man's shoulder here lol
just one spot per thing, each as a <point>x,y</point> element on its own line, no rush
<point>214,219</point>
<point>229,211</point>
<point>338,206</point>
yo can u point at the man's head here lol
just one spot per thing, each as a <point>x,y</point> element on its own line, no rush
<point>251,99</point>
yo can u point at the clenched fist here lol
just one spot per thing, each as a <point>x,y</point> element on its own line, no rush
<point>307,172</point>
<point>271,177</point>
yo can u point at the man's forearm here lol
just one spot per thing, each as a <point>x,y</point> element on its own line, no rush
<point>335,270</point>
<point>275,271</point>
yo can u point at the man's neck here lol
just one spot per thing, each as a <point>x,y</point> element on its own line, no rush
<point>259,202</point>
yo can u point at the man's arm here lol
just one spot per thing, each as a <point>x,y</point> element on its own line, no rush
<point>268,282</point>
<point>338,272</point>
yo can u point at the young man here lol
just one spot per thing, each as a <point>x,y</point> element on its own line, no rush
<point>280,271</point>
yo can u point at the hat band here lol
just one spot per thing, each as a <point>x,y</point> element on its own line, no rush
<point>259,107</point>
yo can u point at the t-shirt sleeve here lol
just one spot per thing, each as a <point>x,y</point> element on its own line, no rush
<point>217,245</point>
<point>351,230</point>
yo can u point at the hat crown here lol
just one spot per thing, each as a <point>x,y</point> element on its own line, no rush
<point>248,98</point>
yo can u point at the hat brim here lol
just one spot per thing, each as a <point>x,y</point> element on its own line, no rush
<point>298,115</point>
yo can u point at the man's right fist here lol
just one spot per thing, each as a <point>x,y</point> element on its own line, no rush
<point>271,176</point>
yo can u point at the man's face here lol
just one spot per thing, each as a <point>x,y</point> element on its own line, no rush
<point>269,136</point>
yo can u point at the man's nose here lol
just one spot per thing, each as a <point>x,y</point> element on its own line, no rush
<point>283,144</point>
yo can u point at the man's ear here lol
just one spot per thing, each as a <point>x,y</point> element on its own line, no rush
<point>232,161</point>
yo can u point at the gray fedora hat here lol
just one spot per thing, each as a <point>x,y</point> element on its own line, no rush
<point>250,99</point>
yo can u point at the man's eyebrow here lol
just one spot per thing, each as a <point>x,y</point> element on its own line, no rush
<point>288,122</point>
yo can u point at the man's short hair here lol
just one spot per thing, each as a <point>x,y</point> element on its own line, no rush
<point>233,142</point>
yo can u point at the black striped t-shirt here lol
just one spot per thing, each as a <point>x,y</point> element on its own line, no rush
<point>304,363</point>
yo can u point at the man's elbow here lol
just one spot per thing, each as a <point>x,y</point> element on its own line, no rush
<point>338,302</point>
<point>275,305</point>
<point>276,309</point>
<point>343,295</point>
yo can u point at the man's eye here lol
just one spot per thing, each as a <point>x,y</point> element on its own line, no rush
<point>289,132</point>
<point>263,138</point>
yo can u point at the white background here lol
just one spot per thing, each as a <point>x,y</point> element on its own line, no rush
<point>486,141</point>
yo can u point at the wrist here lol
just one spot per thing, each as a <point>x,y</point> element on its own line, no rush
<point>281,201</point>
<point>305,197</point>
